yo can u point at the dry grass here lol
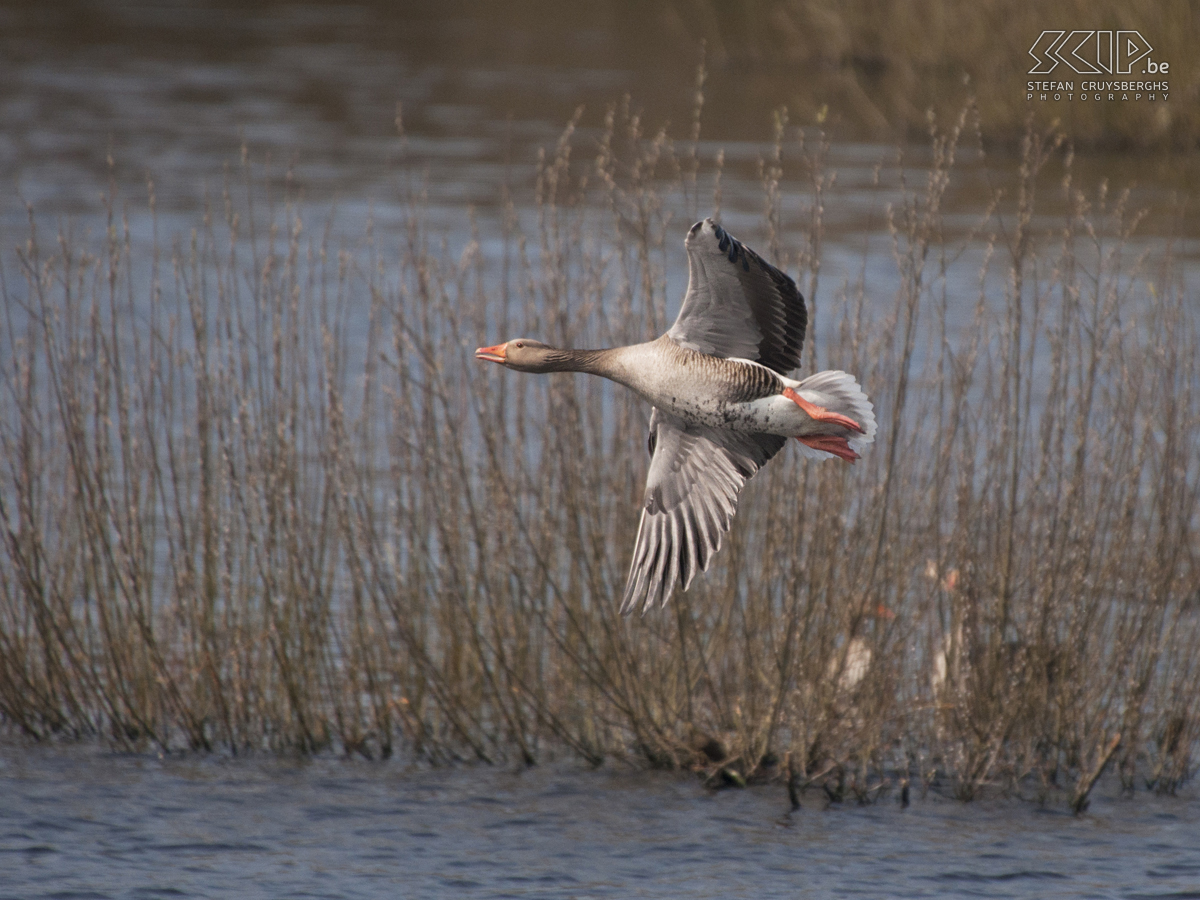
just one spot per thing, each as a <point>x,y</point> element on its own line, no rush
<point>256,494</point>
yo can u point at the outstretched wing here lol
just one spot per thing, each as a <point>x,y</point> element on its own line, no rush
<point>737,304</point>
<point>692,489</point>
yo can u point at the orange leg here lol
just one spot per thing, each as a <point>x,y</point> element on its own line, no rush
<point>830,444</point>
<point>821,414</point>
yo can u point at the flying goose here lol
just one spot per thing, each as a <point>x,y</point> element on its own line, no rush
<point>723,404</point>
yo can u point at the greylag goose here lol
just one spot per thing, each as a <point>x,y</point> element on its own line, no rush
<point>848,668</point>
<point>723,403</point>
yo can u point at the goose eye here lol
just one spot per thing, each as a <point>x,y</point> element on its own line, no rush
<point>520,344</point>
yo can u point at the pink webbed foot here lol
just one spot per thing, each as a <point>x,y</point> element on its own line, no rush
<point>821,414</point>
<point>838,446</point>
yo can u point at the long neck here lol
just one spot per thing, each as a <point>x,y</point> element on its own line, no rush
<point>612,363</point>
<point>640,367</point>
<point>594,362</point>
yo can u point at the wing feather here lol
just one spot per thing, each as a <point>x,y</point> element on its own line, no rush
<point>696,474</point>
<point>737,304</point>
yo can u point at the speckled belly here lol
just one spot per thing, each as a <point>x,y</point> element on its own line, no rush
<point>768,415</point>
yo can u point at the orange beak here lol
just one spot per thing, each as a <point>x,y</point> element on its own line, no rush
<point>495,354</point>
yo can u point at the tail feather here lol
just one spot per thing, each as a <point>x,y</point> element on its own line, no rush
<point>839,392</point>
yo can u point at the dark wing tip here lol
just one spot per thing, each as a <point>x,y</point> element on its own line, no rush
<point>708,232</point>
<point>738,304</point>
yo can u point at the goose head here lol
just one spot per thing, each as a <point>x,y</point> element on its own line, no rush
<point>524,355</point>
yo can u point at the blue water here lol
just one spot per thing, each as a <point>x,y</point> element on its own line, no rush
<point>84,823</point>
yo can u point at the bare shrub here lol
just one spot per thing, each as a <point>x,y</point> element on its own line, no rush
<point>256,493</point>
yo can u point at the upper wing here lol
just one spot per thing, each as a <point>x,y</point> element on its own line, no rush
<point>737,304</point>
<point>691,496</point>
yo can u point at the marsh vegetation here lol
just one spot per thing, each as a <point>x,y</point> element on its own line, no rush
<point>257,495</point>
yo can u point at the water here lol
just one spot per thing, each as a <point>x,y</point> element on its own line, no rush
<point>95,94</point>
<point>81,823</point>
<point>172,91</point>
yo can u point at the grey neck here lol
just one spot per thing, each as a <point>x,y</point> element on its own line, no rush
<point>593,362</point>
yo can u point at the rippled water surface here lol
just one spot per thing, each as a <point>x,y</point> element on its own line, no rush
<point>81,823</point>
<point>91,91</point>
